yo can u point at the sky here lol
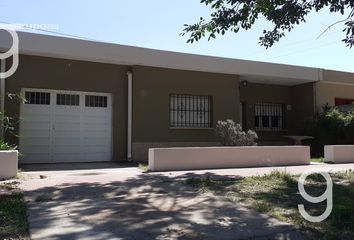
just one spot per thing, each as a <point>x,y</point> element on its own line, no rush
<point>158,23</point>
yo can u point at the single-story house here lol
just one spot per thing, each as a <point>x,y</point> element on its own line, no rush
<point>95,101</point>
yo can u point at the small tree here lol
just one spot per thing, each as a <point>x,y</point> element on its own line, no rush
<point>231,134</point>
<point>330,126</point>
<point>7,124</point>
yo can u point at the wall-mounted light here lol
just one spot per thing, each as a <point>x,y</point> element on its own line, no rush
<point>244,83</point>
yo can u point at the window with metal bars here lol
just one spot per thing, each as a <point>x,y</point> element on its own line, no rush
<point>190,111</point>
<point>39,98</point>
<point>95,101</point>
<point>269,116</point>
<point>68,99</point>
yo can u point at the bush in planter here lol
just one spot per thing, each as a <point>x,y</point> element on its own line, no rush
<point>231,134</point>
<point>7,124</point>
<point>5,146</point>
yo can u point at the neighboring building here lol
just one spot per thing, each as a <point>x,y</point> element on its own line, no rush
<point>93,101</point>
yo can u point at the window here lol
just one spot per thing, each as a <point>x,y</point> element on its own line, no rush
<point>68,100</point>
<point>95,101</point>
<point>42,98</point>
<point>269,116</point>
<point>343,101</point>
<point>187,111</point>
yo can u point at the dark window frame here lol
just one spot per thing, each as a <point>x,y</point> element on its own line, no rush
<point>64,99</point>
<point>269,116</point>
<point>99,101</point>
<point>37,98</point>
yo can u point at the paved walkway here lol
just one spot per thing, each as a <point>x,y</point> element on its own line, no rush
<point>124,203</point>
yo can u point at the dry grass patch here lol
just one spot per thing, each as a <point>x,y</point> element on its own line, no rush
<point>277,195</point>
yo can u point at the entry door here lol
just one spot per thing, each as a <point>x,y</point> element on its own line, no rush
<point>65,126</point>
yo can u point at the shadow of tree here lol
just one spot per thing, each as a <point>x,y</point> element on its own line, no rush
<point>145,207</point>
<point>279,196</point>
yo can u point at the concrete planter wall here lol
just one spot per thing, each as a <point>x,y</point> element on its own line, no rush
<point>188,158</point>
<point>339,153</point>
<point>8,164</point>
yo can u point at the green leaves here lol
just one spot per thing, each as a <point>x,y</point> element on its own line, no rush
<point>232,15</point>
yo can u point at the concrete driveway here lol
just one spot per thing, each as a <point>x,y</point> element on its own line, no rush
<point>114,202</point>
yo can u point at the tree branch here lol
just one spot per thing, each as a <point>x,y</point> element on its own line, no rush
<point>329,27</point>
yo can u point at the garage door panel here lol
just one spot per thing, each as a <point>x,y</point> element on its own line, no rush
<point>65,141</point>
<point>67,157</point>
<point>39,118</point>
<point>35,134</point>
<point>95,127</point>
<point>95,141</point>
<point>35,111</point>
<point>95,134</point>
<point>67,119</point>
<point>97,149</point>
<point>36,141</point>
<point>68,149</point>
<point>66,128</point>
<point>66,135</point>
<point>97,157</point>
<point>35,158</point>
<point>96,119</point>
<point>35,150</point>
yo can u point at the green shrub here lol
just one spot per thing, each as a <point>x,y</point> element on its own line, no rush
<point>332,126</point>
<point>231,134</point>
<point>5,146</point>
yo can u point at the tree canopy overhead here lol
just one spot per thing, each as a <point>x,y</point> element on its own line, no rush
<point>233,15</point>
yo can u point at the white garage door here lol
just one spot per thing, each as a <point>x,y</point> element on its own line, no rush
<point>65,126</point>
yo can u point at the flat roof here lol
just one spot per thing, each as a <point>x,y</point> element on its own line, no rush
<point>77,49</point>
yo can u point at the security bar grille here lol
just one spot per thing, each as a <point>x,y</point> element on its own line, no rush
<point>269,116</point>
<point>188,111</point>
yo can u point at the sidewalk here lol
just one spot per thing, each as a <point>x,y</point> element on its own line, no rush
<point>246,172</point>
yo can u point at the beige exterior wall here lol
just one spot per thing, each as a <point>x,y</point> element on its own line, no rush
<point>335,84</point>
<point>326,92</point>
<point>338,77</point>
<point>298,98</point>
<point>151,89</point>
<point>303,105</point>
<point>61,74</point>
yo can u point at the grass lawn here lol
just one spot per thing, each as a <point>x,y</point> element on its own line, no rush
<point>277,195</point>
<point>144,167</point>
<point>13,218</point>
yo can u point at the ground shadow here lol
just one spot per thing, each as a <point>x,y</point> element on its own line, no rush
<point>75,166</point>
<point>144,207</point>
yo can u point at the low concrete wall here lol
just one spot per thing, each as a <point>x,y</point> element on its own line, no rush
<point>8,164</point>
<point>141,149</point>
<point>165,159</point>
<point>339,153</point>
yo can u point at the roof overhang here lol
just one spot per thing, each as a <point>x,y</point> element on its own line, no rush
<point>76,49</point>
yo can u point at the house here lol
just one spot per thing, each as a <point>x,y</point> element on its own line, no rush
<point>94,101</point>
